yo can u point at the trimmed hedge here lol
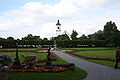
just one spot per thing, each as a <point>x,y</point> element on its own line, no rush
<point>45,43</point>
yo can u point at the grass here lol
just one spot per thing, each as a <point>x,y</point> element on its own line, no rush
<point>77,74</point>
<point>87,48</point>
<point>102,62</point>
<point>39,55</point>
<point>19,48</point>
<point>103,53</point>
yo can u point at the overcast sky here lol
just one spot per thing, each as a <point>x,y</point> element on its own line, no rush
<point>39,17</point>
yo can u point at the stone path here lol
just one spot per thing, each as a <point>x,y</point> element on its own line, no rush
<point>95,71</point>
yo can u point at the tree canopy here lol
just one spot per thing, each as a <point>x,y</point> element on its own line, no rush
<point>31,37</point>
<point>111,33</point>
<point>74,35</point>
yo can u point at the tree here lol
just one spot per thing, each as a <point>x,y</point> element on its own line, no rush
<point>111,33</point>
<point>74,35</point>
<point>90,36</point>
<point>63,37</point>
<point>109,30</point>
<point>83,37</point>
<point>2,38</point>
<point>31,37</point>
<point>36,38</point>
<point>10,38</point>
<point>60,37</point>
<point>45,39</point>
<point>97,35</point>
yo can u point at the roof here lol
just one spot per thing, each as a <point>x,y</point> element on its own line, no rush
<point>58,23</point>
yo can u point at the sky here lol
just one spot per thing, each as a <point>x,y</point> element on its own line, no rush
<point>18,18</point>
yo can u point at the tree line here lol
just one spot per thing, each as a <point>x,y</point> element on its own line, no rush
<point>108,37</point>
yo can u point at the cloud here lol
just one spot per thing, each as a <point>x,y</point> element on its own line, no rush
<point>91,3</point>
<point>85,16</point>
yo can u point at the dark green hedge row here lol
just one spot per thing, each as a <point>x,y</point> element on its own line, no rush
<point>24,43</point>
<point>82,43</point>
<point>45,43</point>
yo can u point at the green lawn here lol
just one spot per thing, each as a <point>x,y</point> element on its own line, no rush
<point>77,74</point>
<point>87,48</point>
<point>19,48</point>
<point>103,53</point>
<point>102,62</point>
<point>39,55</point>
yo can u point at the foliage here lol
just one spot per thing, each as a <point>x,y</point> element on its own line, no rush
<point>111,33</point>
<point>31,37</point>
<point>62,37</point>
<point>82,43</point>
<point>83,37</point>
<point>17,61</point>
<point>97,35</point>
<point>6,60</point>
<point>48,61</point>
<point>110,29</point>
<point>28,60</point>
<point>99,43</point>
<point>74,35</point>
<point>60,43</point>
<point>45,39</point>
<point>10,38</point>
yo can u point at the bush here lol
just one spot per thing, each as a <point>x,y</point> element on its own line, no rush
<point>6,60</point>
<point>28,60</point>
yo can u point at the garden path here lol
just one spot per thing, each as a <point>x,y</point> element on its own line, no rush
<point>95,71</point>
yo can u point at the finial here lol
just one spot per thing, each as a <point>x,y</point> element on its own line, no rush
<point>58,23</point>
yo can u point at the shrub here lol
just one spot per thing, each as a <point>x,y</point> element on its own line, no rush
<point>6,60</point>
<point>28,60</point>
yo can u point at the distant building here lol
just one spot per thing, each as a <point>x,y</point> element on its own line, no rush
<point>58,30</point>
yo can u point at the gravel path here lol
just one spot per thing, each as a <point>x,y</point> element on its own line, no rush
<point>95,71</point>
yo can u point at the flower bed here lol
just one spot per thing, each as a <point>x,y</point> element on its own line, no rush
<point>44,68</point>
